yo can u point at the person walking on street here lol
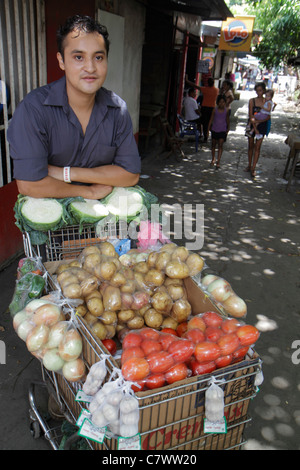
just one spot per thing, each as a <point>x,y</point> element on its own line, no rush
<point>210,94</point>
<point>255,106</point>
<point>219,127</point>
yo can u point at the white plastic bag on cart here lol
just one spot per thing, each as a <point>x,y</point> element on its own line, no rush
<point>96,376</point>
<point>214,402</point>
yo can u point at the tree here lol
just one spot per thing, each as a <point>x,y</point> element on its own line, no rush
<point>279,21</point>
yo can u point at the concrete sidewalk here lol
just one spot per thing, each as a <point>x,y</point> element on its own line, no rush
<point>251,238</point>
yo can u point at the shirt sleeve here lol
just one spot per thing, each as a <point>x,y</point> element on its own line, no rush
<point>127,154</point>
<point>28,143</point>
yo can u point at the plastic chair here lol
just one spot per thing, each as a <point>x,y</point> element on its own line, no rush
<point>188,128</point>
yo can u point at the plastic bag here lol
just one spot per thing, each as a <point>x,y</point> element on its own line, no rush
<point>224,296</point>
<point>28,287</point>
<point>95,377</point>
<point>214,402</point>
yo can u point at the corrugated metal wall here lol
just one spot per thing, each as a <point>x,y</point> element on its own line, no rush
<point>22,62</point>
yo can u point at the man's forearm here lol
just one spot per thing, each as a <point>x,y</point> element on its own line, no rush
<point>52,187</point>
<point>112,175</point>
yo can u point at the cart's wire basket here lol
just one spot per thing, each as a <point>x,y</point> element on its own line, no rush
<point>69,241</point>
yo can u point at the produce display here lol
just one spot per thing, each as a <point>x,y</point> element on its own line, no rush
<point>129,291</point>
<point>225,298</point>
<point>156,358</point>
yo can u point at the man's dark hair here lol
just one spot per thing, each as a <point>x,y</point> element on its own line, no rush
<point>210,82</point>
<point>81,23</point>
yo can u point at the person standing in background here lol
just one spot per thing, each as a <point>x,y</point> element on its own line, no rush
<point>210,94</point>
<point>219,126</point>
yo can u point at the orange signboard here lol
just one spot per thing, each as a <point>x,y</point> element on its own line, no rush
<point>236,33</point>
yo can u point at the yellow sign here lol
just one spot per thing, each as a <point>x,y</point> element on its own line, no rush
<point>236,33</point>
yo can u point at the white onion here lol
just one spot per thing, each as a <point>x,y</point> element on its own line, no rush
<point>130,418</point>
<point>110,412</point>
<point>98,419</point>
<point>128,404</point>
<point>208,279</point>
<point>220,290</point>
<point>235,306</point>
<point>47,314</point>
<point>52,360</point>
<point>128,431</point>
<point>74,370</point>
<point>70,347</point>
<point>57,333</point>
<point>34,304</point>
<point>37,337</point>
<point>24,329</point>
<point>19,318</point>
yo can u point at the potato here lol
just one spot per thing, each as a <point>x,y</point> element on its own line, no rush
<point>76,263</point>
<point>109,318</point>
<point>99,330</point>
<point>95,306</point>
<point>89,250</point>
<point>152,259</point>
<point>136,322</point>
<point>62,276</point>
<point>91,261</point>
<point>81,310</point>
<point>140,281</point>
<point>177,270</point>
<point>72,291</point>
<point>169,322</point>
<point>162,260</point>
<point>194,263</point>
<point>126,300</point>
<point>141,267</point>
<point>110,331</point>
<point>112,298</point>
<point>175,291</point>
<point>94,293</point>
<point>170,247</point>
<point>80,273</point>
<point>128,273</point>
<point>108,249</point>
<point>140,299</point>
<point>162,302</point>
<point>153,319</point>
<point>129,287</point>
<point>154,277</point>
<point>118,279</point>
<point>70,279</point>
<point>90,319</point>
<point>180,253</point>
<point>125,315</point>
<point>144,309</point>
<point>169,281</point>
<point>181,310</point>
<point>89,285</point>
<point>62,267</point>
<point>105,270</point>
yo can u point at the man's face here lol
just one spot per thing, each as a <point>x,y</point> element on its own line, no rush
<point>84,62</point>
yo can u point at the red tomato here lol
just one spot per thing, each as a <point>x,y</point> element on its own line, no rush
<point>149,333</point>
<point>150,345</point>
<point>206,351</point>
<point>195,335</point>
<point>202,368</point>
<point>212,319</point>
<point>160,362</point>
<point>110,345</point>
<point>170,331</point>
<point>177,372</point>
<point>213,334</point>
<point>181,350</point>
<point>247,335</point>
<point>155,381</point>
<point>166,339</point>
<point>230,326</point>
<point>224,361</point>
<point>240,353</point>
<point>131,340</point>
<point>228,344</point>
<point>196,322</point>
<point>132,352</point>
<point>181,328</point>
<point>136,368</point>
<point>138,386</point>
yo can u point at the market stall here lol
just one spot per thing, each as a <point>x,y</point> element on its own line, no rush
<point>143,346</point>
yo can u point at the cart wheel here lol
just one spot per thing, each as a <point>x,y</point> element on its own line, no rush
<point>35,429</point>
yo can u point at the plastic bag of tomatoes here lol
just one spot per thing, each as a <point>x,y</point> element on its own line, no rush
<point>206,342</point>
<point>153,358</point>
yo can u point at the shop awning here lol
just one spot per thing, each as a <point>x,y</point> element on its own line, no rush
<point>215,10</point>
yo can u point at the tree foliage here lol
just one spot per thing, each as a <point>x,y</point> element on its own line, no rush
<point>279,21</point>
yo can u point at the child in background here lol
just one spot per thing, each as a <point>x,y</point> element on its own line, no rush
<point>262,115</point>
<point>219,127</point>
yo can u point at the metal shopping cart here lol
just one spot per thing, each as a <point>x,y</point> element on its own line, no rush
<point>170,418</point>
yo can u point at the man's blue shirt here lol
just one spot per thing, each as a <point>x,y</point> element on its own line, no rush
<point>45,130</point>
